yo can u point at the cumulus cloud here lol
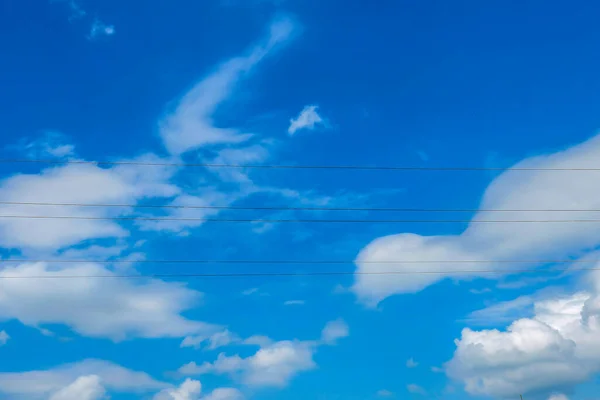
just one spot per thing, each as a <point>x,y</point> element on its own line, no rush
<point>274,364</point>
<point>89,377</point>
<point>112,308</point>
<point>554,350</point>
<point>512,190</point>
<point>308,119</point>
<point>384,393</point>
<point>84,388</point>
<point>189,390</point>
<point>191,124</point>
<point>75,184</point>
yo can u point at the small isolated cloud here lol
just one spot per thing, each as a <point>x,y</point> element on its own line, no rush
<point>307,119</point>
<point>384,393</point>
<point>437,370</point>
<point>333,331</point>
<point>416,389</point>
<point>411,363</point>
<point>100,29</point>
<point>3,338</point>
<point>294,303</point>
<point>558,396</point>
<point>250,291</point>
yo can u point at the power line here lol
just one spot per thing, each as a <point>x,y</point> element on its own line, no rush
<point>296,262</point>
<point>292,274</point>
<point>284,208</point>
<point>290,166</point>
<point>232,220</point>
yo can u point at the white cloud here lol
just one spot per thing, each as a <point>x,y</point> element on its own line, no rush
<point>50,145</point>
<point>216,340</point>
<point>416,389</point>
<point>384,393</point>
<point>79,378</point>
<point>333,331</point>
<point>514,190</point>
<point>191,125</point>
<point>250,291</point>
<point>558,396</point>
<point>556,349</point>
<point>274,363</point>
<point>307,119</point>
<point>84,388</point>
<point>76,184</point>
<point>115,308</point>
<point>225,394</point>
<point>189,390</point>
<point>293,303</point>
<point>3,338</point>
<point>437,369</point>
<point>100,29</point>
<point>411,363</point>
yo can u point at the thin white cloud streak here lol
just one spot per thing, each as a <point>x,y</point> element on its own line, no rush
<point>308,119</point>
<point>84,388</point>
<point>515,190</point>
<point>4,337</point>
<point>191,124</point>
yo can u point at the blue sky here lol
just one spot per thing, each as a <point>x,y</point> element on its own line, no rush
<point>496,85</point>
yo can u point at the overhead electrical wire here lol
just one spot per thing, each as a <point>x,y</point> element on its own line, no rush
<point>287,208</point>
<point>242,220</point>
<point>294,274</point>
<point>291,166</point>
<point>297,262</point>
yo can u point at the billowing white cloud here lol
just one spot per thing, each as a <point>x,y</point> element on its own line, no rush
<point>512,190</point>
<point>84,388</point>
<point>76,184</point>
<point>556,349</point>
<point>191,124</point>
<point>308,118</point>
<point>116,308</point>
<point>189,390</point>
<point>87,377</point>
<point>333,331</point>
<point>274,363</point>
